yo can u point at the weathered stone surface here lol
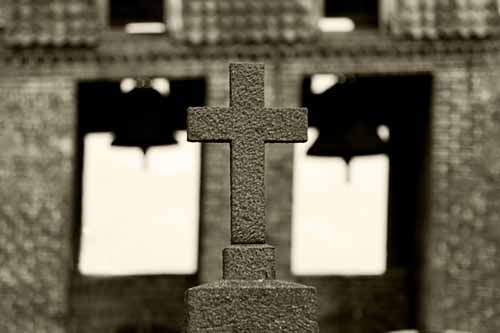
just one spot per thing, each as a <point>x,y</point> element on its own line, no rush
<point>251,306</point>
<point>249,299</point>
<point>248,262</point>
<point>247,125</point>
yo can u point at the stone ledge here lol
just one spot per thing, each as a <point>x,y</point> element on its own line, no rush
<point>251,306</point>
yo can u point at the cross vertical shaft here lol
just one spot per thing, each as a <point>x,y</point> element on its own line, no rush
<point>247,155</point>
<point>247,192</point>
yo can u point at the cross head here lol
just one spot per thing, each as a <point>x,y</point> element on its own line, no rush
<point>247,125</point>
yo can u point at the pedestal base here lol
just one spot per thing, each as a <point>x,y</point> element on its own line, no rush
<point>251,306</point>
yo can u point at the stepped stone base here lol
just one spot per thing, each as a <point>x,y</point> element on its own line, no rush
<point>251,306</point>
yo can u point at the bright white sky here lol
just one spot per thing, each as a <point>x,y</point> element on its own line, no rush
<point>141,216</point>
<point>339,227</point>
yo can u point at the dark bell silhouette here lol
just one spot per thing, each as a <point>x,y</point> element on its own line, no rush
<point>143,121</point>
<point>346,124</point>
<point>359,139</point>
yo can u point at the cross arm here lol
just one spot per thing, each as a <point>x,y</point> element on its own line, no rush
<point>209,124</point>
<point>286,125</point>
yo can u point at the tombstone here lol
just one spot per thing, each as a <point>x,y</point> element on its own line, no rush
<point>249,298</point>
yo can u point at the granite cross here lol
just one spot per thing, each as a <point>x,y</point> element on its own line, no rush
<point>247,125</point>
<point>249,298</point>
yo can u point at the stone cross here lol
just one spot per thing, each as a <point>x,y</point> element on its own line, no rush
<point>249,299</point>
<point>247,125</point>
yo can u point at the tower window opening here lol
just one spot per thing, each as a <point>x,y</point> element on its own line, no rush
<point>138,16</point>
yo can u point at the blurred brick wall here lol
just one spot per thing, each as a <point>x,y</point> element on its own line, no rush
<point>461,273</point>
<point>370,304</point>
<point>241,21</point>
<point>460,284</point>
<point>37,127</point>
<point>445,19</point>
<point>104,305</point>
<point>460,276</point>
<point>51,23</point>
<point>107,304</point>
<point>159,299</point>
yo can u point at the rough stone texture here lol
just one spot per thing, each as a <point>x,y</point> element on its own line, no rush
<point>247,125</point>
<point>248,262</point>
<point>248,300</point>
<point>215,197</point>
<point>37,127</point>
<point>251,306</point>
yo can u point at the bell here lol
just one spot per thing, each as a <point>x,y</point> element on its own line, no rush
<point>142,121</point>
<point>348,129</point>
<point>347,123</point>
<point>346,142</point>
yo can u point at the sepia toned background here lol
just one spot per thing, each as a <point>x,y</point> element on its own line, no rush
<point>96,237</point>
